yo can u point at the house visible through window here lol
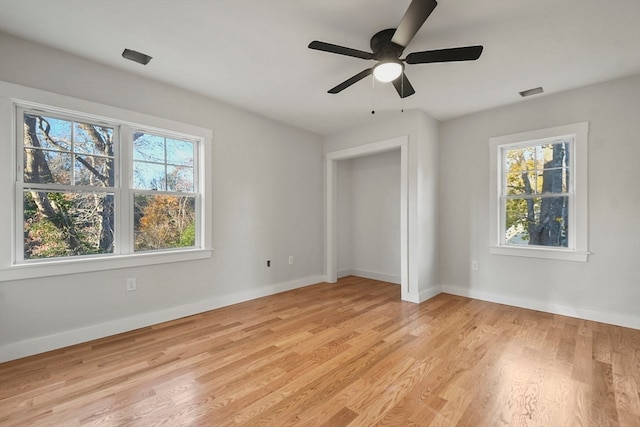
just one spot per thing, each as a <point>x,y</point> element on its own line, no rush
<point>539,198</point>
<point>536,193</point>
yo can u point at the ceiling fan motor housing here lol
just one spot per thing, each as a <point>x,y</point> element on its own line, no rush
<point>382,46</point>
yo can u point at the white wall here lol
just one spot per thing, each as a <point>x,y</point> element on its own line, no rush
<point>369,208</point>
<point>423,165</point>
<point>268,204</point>
<point>607,287</point>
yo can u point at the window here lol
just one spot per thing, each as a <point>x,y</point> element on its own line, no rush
<point>538,197</point>
<point>95,189</point>
<point>536,191</point>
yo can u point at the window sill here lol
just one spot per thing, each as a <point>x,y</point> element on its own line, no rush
<point>546,253</point>
<point>37,269</point>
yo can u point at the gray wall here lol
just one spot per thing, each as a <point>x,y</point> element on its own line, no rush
<point>607,287</point>
<point>268,204</point>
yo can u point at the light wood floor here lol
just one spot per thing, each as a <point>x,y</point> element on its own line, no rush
<point>334,355</point>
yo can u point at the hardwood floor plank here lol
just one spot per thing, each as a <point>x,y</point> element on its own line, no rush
<point>604,403</point>
<point>342,418</point>
<point>349,353</point>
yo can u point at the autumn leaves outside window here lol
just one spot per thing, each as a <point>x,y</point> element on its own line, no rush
<point>536,194</point>
<point>163,165</point>
<point>72,193</point>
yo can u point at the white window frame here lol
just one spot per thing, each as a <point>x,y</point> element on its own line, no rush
<point>577,250</point>
<point>14,97</point>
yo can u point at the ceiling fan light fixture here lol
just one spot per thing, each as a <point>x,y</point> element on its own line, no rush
<point>388,71</point>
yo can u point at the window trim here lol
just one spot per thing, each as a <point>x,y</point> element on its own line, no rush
<point>578,222</point>
<point>15,96</point>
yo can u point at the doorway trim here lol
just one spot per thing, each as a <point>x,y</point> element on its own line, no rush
<point>331,204</point>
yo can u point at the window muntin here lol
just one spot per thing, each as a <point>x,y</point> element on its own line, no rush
<point>537,193</point>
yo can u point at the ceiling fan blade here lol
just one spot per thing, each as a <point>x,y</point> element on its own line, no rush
<point>403,86</point>
<point>467,53</point>
<point>345,84</point>
<point>414,17</point>
<point>340,50</point>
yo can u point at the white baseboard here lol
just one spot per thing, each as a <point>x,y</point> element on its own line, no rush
<point>422,296</point>
<point>344,273</point>
<point>628,321</point>
<point>38,345</point>
<point>430,293</point>
<point>373,275</point>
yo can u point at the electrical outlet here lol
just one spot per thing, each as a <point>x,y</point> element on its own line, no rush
<point>131,284</point>
<point>290,259</point>
<point>474,265</point>
<point>268,263</point>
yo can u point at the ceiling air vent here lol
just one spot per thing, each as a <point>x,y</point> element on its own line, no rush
<point>530,92</point>
<point>134,56</point>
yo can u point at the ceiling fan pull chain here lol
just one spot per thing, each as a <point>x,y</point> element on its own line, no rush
<point>373,94</point>
<point>402,90</point>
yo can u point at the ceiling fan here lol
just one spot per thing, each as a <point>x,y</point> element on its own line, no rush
<point>388,45</point>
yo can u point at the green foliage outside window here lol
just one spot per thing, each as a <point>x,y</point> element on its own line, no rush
<point>69,189</point>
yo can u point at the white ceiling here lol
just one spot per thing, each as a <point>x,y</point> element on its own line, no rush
<point>253,53</point>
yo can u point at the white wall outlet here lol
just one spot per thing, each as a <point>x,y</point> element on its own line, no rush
<point>474,265</point>
<point>131,284</point>
<point>290,259</point>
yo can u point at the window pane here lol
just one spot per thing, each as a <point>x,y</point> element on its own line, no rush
<point>92,170</point>
<point>179,152</point>
<point>520,159</point>
<point>47,167</point>
<point>62,224</point>
<point>92,139</point>
<point>149,148</point>
<point>541,221</point>
<point>148,176</point>
<point>554,181</point>
<point>521,183</point>
<point>553,155</point>
<point>179,178</point>
<point>47,132</point>
<point>163,222</point>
